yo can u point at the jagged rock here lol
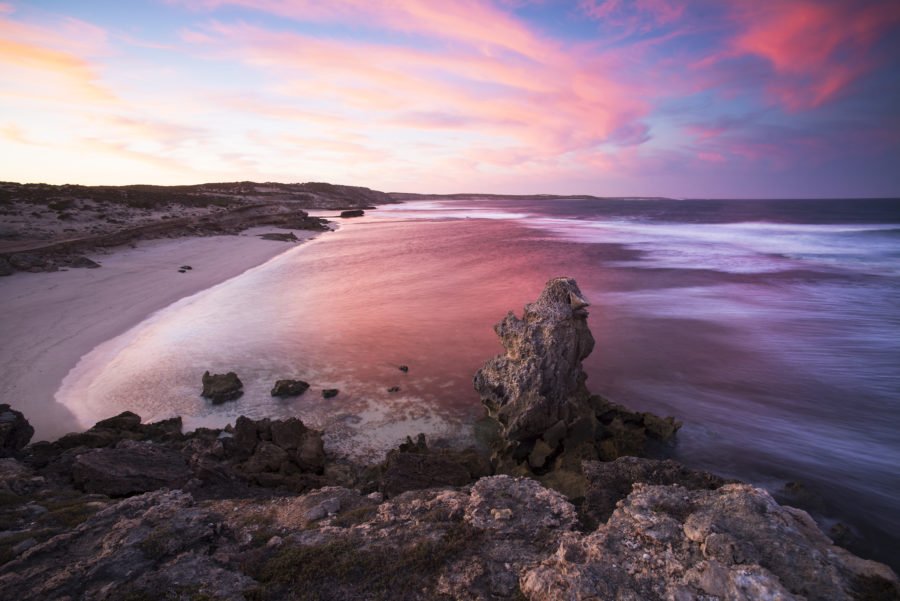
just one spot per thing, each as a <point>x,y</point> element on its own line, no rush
<point>125,426</point>
<point>129,468</point>
<point>735,542</point>
<point>329,393</point>
<point>414,466</point>
<point>284,388</point>
<point>134,549</point>
<point>220,388</point>
<point>352,213</point>
<point>15,431</point>
<point>610,482</point>
<point>17,478</point>
<point>539,381</point>
<point>536,391</point>
<point>271,452</point>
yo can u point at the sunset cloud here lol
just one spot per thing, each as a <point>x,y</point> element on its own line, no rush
<point>579,96</point>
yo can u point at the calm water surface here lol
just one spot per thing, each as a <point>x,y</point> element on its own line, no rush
<point>771,329</point>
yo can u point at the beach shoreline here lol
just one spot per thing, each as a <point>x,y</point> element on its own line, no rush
<point>62,316</point>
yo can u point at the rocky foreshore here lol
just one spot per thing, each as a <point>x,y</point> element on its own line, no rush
<point>561,509</point>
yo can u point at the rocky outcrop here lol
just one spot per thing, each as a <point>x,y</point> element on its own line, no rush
<point>285,388</point>
<point>129,468</point>
<point>220,388</point>
<point>109,432</point>
<point>5,267</point>
<point>536,391</point>
<point>276,452</point>
<point>352,213</point>
<point>500,538</point>
<point>610,482</point>
<point>735,542</point>
<point>15,431</point>
<point>414,466</point>
<point>228,535</point>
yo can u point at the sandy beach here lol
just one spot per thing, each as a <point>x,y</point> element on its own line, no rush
<point>53,319</point>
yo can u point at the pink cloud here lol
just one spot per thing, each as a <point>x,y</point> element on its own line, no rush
<point>816,49</point>
<point>559,100</point>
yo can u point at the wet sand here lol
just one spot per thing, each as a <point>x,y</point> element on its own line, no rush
<point>50,320</point>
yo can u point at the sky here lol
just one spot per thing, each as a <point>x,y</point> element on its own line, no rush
<point>679,98</point>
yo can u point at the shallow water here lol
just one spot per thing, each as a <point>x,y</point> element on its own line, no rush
<point>771,330</point>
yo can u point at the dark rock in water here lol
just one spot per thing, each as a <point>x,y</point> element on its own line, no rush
<point>329,393</point>
<point>394,389</point>
<point>414,466</point>
<point>220,388</point>
<point>5,267</point>
<point>186,267</point>
<point>280,237</point>
<point>353,213</point>
<point>404,368</point>
<point>15,431</point>
<point>610,482</point>
<point>129,468</point>
<point>182,271</point>
<point>536,392</point>
<point>285,388</point>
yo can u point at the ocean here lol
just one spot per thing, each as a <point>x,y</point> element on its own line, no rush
<point>771,329</point>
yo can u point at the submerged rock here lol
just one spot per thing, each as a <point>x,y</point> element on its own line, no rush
<point>352,213</point>
<point>15,431</point>
<point>330,393</point>
<point>284,388</point>
<point>220,388</point>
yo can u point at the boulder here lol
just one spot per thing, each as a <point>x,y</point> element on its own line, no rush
<point>329,393</point>
<point>5,267</point>
<point>129,468</point>
<point>15,431</point>
<point>285,388</point>
<point>220,388</point>
<point>352,213</point>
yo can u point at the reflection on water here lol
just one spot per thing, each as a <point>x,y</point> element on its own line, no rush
<point>776,343</point>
